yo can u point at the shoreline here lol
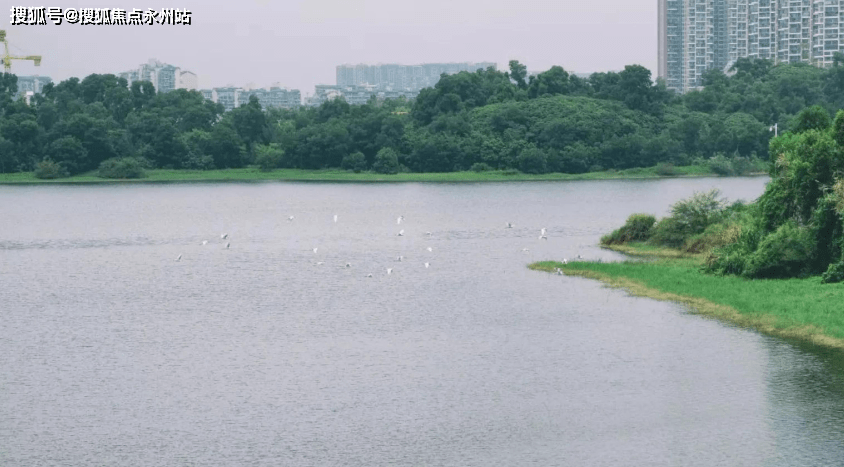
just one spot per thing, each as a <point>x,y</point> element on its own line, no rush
<point>252,175</point>
<point>742,312</point>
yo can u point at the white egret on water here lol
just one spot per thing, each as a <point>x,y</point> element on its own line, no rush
<point>315,250</point>
<point>369,275</point>
<point>224,236</point>
<point>179,258</point>
<point>205,242</point>
<point>398,221</point>
<point>426,265</point>
<point>335,218</point>
<point>228,245</point>
<point>320,263</point>
<point>430,249</point>
<point>559,272</point>
<point>542,232</point>
<point>525,250</point>
<point>565,261</point>
<point>290,218</point>
<point>542,235</point>
<point>389,271</point>
<point>401,233</point>
<point>428,234</point>
<point>400,258</point>
<point>579,257</point>
<point>509,225</point>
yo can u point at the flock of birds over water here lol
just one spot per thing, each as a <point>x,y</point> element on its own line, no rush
<point>543,235</point>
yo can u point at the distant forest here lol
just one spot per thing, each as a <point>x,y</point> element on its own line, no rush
<point>487,120</point>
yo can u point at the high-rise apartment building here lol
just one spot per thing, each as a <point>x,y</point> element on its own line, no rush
<point>163,77</point>
<point>401,77</point>
<point>699,35</point>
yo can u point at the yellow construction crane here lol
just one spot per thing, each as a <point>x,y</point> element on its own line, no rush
<point>7,58</point>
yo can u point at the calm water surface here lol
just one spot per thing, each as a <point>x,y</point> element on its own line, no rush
<point>114,354</point>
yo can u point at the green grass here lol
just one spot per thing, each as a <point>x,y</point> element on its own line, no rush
<point>802,309</point>
<point>334,175</point>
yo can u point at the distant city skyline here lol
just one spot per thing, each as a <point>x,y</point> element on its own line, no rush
<point>298,43</point>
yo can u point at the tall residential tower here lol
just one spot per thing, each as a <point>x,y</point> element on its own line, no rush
<point>699,35</point>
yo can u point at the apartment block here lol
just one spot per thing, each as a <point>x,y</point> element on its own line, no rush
<point>394,77</point>
<point>163,77</point>
<point>699,35</point>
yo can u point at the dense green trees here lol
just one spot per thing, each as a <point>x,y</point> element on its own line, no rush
<point>549,122</point>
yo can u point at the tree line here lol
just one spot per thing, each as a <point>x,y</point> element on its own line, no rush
<point>487,120</point>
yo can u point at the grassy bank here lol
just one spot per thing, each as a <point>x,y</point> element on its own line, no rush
<point>802,309</point>
<point>253,174</point>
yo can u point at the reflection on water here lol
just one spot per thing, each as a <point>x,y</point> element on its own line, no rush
<point>267,353</point>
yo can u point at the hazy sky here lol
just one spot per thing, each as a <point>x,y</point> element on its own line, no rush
<point>298,43</point>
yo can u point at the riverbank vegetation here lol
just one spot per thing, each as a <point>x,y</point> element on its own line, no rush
<point>794,230</point>
<point>490,120</point>
<point>803,309</point>
<point>775,264</point>
<point>338,175</point>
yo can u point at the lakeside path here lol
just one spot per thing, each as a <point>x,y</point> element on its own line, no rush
<point>255,175</point>
<point>799,309</point>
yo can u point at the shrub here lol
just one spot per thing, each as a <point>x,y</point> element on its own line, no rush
<point>47,170</point>
<point>783,253</point>
<point>715,236</point>
<point>669,232</point>
<point>510,172</point>
<point>666,169</point>
<point>480,167</point>
<point>268,156</point>
<point>121,167</point>
<point>720,165</point>
<point>834,274</point>
<point>637,228</point>
<point>386,161</point>
<point>355,162</point>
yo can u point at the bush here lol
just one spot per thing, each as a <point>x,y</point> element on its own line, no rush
<point>47,170</point>
<point>509,172</point>
<point>666,169</point>
<point>268,156</point>
<point>786,252</point>
<point>721,165</point>
<point>715,236</point>
<point>121,167</point>
<point>834,274</point>
<point>637,228</point>
<point>480,167</point>
<point>386,161</point>
<point>355,162</point>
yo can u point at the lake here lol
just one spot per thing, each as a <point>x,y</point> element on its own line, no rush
<point>267,353</point>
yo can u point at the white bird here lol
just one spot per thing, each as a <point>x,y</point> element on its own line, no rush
<point>369,275</point>
<point>542,232</point>
<point>320,263</point>
<point>565,261</point>
<point>179,258</point>
<point>399,258</point>
<point>335,218</point>
<point>224,236</point>
<point>430,249</point>
<point>228,245</point>
<point>428,233</point>
<point>543,237</point>
<point>290,218</point>
<point>559,272</point>
<point>509,225</point>
<point>348,265</point>
<point>389,271</point>
<point>205,242</point>
<point>579,257</point>
<point>315,250</point>
<point>398,221</point>
<point>401,233</point>
<point>525,250</point>
<point>426,265</point>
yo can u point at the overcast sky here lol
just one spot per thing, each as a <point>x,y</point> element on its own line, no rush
<point>298,43</point>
